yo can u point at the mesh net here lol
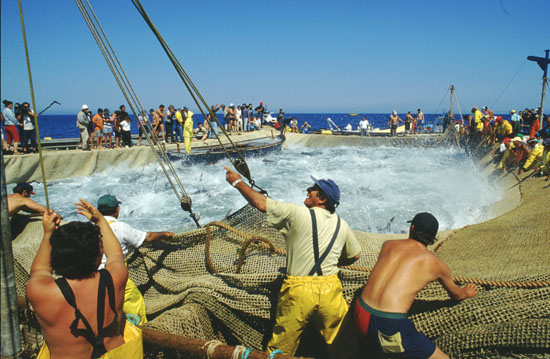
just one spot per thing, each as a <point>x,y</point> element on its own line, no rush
<point>199,295</point>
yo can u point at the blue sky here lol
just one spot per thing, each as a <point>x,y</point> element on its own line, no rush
<point>303,56</point>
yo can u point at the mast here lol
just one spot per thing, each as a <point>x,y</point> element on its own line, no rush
<point>543,64</point>
<point>452,88</point>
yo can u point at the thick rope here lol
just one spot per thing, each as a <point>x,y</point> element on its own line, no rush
<point>211,346</point>
<point>35,116</point>
<point>267,244</point>
<point>131,97</point>
<point>240,163</point>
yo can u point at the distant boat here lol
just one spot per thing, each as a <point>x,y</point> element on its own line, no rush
<point>353,114</point>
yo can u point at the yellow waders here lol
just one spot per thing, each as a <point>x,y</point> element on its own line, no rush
<point>307,299</point>
<point>134,302</point>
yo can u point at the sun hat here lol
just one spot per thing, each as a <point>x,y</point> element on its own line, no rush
<point>330,188</point>
<point>517,138</point>
<point>513,111</point>
<point>426,223</point>
<point>107,202</point>
<point>394,112</point>
<point>84,107</point>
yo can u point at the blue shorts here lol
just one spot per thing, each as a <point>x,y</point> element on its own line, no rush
<point>392,332</point>
<point>107,130</point>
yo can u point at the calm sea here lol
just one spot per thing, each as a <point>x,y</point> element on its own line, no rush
<point>63,126</point>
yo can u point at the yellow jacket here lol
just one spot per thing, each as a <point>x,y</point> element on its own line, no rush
<point>504,128</point>
<point>477,120</point>
<point>506,155</point>
<point>179,118</point>
<point>536,154</point>
<point>188,125</point>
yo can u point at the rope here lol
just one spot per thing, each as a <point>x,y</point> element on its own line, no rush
<point>122,80</point>
<point>506,87</point>
<point>239,163</point>
<point>17,355</point>
<point>211,346</point>
<point>35,117</point>
<point>237,353</point>
<point>267,244</point>
<point>274,353</point>
<point>246,353</point>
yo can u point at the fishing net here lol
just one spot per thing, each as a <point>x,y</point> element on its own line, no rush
<point>204,284</point>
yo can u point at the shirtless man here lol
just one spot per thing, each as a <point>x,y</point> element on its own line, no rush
<point>393,122</point>
<point>161,112</point>
<point>403,268</point>
<point>409,123</point>
<point>155,125</point>
<point>20,200</point>
<point>419,121</point>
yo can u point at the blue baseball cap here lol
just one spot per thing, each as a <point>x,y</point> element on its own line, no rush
<point>330,188</point>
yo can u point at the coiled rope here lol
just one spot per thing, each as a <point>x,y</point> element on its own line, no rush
<point>35,116</point>
<point>265,243</point>
<point>239,163</point>
<point>123,82</point>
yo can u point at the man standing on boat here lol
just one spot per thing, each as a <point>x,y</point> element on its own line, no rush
<point>364,126</point>
<point>317,241</point>
<point>393,122</point>
<point>108,205</point>
<point>419,122</point>
<point>187,129</point>
<point>403,268</point>
<point>82,122</point>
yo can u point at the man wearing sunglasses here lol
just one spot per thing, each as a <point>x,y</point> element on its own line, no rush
<point>317,241</point>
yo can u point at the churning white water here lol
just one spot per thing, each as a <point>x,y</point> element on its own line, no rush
<point>381,188</point>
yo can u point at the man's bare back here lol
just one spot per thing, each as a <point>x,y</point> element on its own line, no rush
<point>403,268</point>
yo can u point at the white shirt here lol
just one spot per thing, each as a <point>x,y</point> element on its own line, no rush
<point>364,124</point>
<point>125,125</point>
<point>126,235</point>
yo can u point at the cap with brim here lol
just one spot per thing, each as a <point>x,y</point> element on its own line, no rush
<point>84,107</point>
<point>24,186</point>
<point>107,201</point>
<point>426,223</point>
<point>517,138</point>
<point>330,188</point>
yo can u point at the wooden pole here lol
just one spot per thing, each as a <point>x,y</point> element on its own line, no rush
<point>10,338</point>
<point>544,83</point>
<point>195,348</point>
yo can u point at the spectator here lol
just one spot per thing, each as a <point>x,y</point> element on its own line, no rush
<point>170,119</point>
<point>306,127</point>
<point>82,122</point>
<point>10,126</point>
<point>117,129</point>
<point>107,128</point>
<point>73,251</point>
<point>364,126</point>
<point>98,127</point>
<point>294,125</point>
<point>187,129</point>
<point>143,120</point>
<point>125,125</point>
<point>161,115</point>
<point>28,132</point>
<point>179,125</point>
<point>515,120</point>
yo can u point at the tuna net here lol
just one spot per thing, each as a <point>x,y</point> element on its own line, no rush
<point>204,284</point>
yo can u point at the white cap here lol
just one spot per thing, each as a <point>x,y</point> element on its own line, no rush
<point>394,112</point>
<point>84,107</point>
<point>231,105</point>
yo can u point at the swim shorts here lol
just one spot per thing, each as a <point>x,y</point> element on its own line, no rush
<point>392,332</point>
<point>393,127</point>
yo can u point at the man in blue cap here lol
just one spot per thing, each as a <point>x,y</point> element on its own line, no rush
<point>317,241</point>
<point>109,206</point>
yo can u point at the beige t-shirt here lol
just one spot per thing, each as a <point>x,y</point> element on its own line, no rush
<point>294,223</point>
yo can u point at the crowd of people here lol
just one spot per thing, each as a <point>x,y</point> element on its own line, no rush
<point>521,144</point>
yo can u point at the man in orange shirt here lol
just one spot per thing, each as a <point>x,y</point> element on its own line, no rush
<point>98,127</point>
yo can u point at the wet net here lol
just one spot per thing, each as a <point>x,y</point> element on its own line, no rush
<point>205,284</point>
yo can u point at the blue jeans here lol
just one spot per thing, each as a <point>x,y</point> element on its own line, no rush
<point>214,130</point>
<point>179,132</point>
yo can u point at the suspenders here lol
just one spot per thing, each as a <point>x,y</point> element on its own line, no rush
<point>319,260</point>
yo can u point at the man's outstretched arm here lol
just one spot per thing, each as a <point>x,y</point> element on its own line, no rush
<point>253,197</point>
<point>456,292</point>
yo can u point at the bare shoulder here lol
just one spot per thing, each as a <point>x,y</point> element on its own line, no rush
<point>45,296</point>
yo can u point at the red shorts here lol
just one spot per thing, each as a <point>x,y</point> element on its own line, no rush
<point>12,135</point>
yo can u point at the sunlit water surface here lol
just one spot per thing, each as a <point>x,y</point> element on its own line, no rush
<point>377,185</point>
